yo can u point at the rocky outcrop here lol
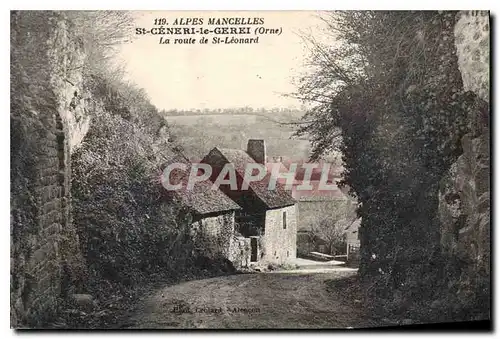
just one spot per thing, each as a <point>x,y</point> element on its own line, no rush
<point>464,203</point>
<point>464,196</point>
<point>66,59</point>
<point>472,39</point>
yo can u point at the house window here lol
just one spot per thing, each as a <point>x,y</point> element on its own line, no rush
<point>284,220</point>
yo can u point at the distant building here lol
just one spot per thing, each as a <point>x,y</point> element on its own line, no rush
<point>352,240</point>
<point>267,219</point>
<point>313,205</point>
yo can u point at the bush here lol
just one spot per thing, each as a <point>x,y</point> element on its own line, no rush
<point>125,230</point>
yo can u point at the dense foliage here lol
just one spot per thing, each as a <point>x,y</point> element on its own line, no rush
<point>117,201</point>
<point>389,95</point>
<point>127,228</point>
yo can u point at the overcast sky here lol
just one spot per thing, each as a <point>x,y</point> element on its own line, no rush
<point>221,76</point>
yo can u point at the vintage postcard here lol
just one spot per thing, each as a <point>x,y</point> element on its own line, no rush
<point>250,169</point>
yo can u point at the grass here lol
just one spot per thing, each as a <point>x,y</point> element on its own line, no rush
<point>198,135</point>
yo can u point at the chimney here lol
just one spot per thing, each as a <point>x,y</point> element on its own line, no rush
<point>256,148</point>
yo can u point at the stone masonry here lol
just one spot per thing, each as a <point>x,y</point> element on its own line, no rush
<point>45,259</point>
<point>278,243</point>
<point>214,234</point>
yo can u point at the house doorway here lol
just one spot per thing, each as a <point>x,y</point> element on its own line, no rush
<point>254,247</point>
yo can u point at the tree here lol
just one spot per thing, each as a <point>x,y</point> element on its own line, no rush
<point>388,94</point>
<point>329,228</point>
<point>101,34</point>
<point>103,31</point>
<point>331,234</point>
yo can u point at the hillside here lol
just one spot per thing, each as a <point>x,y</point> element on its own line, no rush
<point>200,132</point>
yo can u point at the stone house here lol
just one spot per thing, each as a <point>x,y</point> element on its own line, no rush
<point>209,212</point>
<point>267,219</point>
<point>352,240</point>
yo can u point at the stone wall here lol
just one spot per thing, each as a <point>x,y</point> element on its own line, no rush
<point>45,259</point>
<point>213,235</point>
<point>279,244</point>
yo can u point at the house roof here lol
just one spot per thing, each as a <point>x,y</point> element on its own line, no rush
<point>202,198</point>
<point>238,158</point>
<point>354,225</point>
<point>317,194</point>
<point>334,171</point>
<point>275,198</point>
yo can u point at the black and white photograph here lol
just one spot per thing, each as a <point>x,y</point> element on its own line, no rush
<point>250,169</point>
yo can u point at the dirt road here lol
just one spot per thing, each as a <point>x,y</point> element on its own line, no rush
<point>261,300</point>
